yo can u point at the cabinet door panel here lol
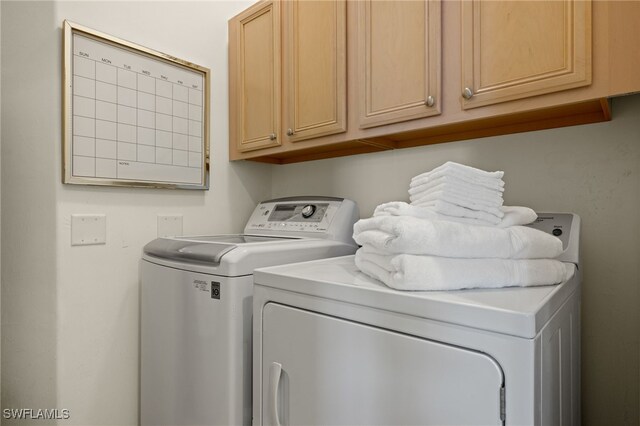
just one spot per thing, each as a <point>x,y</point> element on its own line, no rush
<point>255,71</point>
<point>315,60</point>
<point>398,60</point>
<point>518,49</point>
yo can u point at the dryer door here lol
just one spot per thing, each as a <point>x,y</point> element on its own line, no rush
<point>322,370</point>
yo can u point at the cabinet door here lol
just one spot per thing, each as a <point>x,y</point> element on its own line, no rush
<point>322,370</point>
<point>315,49</point>
<point>518,49</point>
<point>255,77</point>
<point>398,60</point>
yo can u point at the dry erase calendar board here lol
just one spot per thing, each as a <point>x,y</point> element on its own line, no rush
<point>132,116</point>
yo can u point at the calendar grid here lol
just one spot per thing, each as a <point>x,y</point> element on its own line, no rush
<point>134,118</point>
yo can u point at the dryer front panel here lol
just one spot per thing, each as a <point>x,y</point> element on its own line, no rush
<point>322,370</point>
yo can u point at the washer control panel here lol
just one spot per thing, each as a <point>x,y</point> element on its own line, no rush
<point>297,216</point>
<point>318,217</point>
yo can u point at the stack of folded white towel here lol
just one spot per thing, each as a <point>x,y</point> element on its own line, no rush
<point>456,234</point>
<point>460,191</point>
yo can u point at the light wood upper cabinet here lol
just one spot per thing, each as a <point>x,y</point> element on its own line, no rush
<point>255,77</point>
<point>517,49</point>
<point>287,73</point>
<point>315,49</point>
<point>312,79</point>
<point>398,60</point>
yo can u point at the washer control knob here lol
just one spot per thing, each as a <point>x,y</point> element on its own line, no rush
<point>557,232</point>
<point>308,210</point>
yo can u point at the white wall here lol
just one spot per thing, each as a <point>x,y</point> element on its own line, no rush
<point>71,314</point>
<point>591,170</point>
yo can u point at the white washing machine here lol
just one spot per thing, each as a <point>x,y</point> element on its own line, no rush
<point>335,347</point>
<point>196,303</point>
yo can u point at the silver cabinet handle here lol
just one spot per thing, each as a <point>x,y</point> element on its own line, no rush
<point>275,371</point>
<point>430,101</point>
<point>290,132</point>
<point>272,136</point>
<point>467,93</point>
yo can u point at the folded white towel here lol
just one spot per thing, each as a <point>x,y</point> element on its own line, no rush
<point>463,169</point>
<point>513,215</point>
<point>446,205</point>
<point>475,193</point>
<point>468,202</point>
<point>449,209</point>
<point>460,171</point>
<point>411,272</point>
<point>426,182</point>
<point>411,235</point>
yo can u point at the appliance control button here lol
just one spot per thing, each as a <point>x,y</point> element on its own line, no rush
<point>557,232</point>
<point>308,210</point>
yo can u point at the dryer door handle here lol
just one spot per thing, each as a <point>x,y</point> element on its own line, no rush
<point>275,371</point>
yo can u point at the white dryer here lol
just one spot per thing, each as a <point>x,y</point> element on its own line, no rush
<point>335,347</point>
<point>196,304</point>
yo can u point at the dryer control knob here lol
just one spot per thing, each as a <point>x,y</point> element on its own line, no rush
<point>308,210</point>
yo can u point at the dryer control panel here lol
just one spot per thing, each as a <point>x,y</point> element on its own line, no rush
<point>565,226</point>
<point>320,217</point>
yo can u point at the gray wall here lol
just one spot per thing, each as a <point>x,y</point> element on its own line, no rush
<point>29,149</point>
<point>592,170</point>
<point>0,205</point>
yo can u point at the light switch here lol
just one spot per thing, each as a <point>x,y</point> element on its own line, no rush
<point>169,225</point>
<point>88,229</point>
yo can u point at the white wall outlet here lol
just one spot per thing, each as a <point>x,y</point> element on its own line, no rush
<point>88,229</point>
<point>169,225</point>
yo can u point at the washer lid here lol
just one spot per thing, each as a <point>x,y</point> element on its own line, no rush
<point>206,249</point>
<point>516,311</point>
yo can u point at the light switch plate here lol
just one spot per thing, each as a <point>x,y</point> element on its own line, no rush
<point>88,229</point>
<point>169,225</point>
